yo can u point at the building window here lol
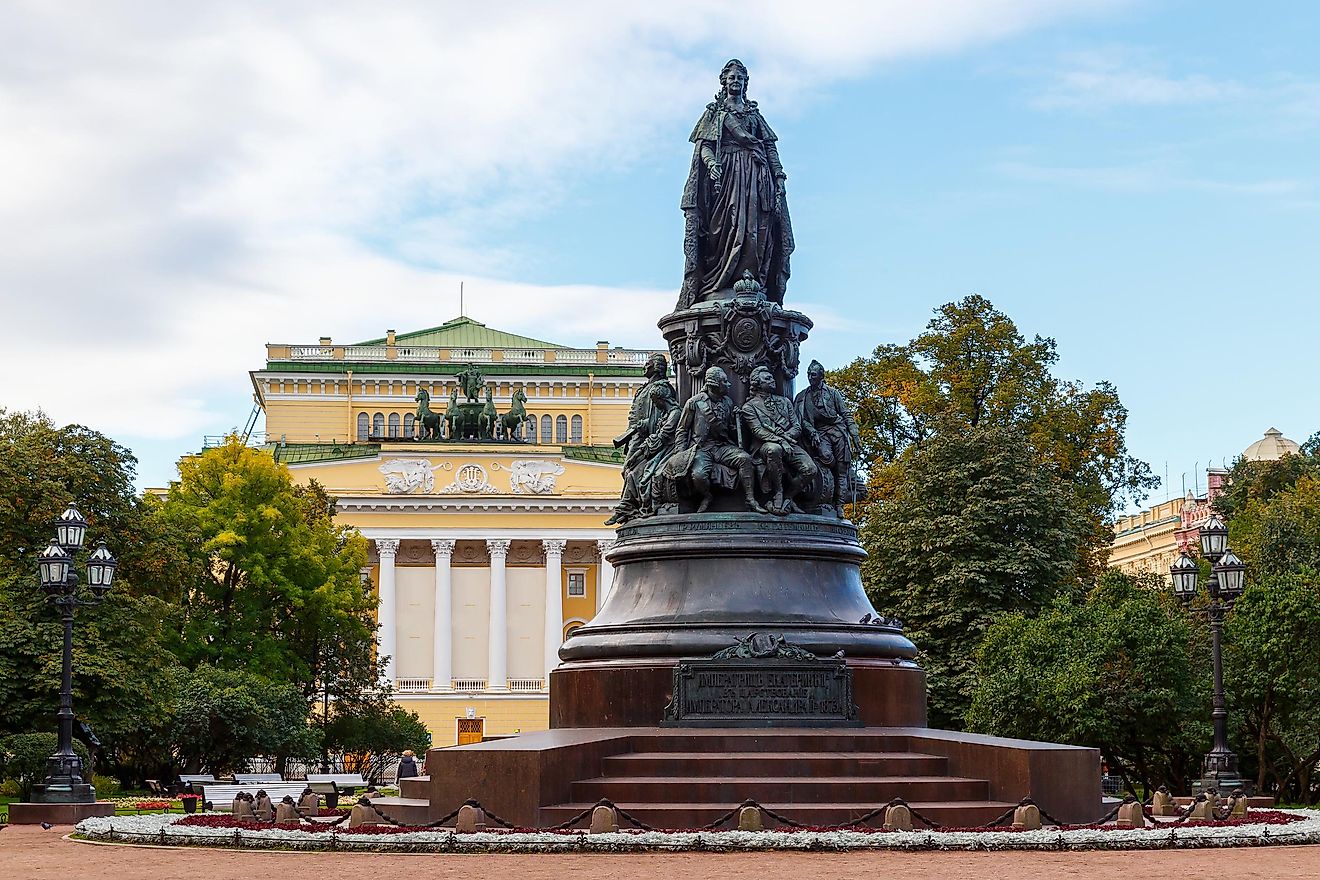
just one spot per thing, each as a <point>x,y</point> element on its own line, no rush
<point>547,428</point>
<point>394,424</point>
<point>577,583</point>
<point>576,436</point>
<point>561,429</point>
<point>363,426</point>
<point>409,423</point>
<point>378,425</point>
<point>529,430</point>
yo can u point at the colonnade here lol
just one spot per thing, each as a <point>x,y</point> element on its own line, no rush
<point>497,666</point>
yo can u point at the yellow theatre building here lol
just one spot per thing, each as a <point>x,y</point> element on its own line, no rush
<point>484,553</point>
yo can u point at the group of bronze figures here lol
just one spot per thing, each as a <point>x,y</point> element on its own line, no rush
<point>774,454</point>
<point>474,419</point>
<point>771,454</point>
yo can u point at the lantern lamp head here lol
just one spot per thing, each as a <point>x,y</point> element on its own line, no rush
<point>101,569</point>
<point>71,528</point>
<point>53,565</point>
<point>1214,538</point>
<point>1185,573</point>
<point>1230,572</point>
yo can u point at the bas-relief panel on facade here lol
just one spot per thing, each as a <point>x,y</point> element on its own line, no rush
<point>407,476</point>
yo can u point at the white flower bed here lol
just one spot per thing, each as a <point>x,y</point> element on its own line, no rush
<point>163,829</point>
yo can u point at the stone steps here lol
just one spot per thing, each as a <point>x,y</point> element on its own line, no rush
<point>874,790</point>
<point>783,764</point>
<point>958,814</point>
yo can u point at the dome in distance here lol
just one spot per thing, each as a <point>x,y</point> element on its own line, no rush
<point>1272,447</point>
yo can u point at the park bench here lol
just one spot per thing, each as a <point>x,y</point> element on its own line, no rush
<point>257,778</point>
<point>186,781</point>
<point>345,781</point>
<point>220,795</point>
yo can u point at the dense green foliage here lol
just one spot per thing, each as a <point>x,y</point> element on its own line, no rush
<point>238,605</point>
<point>972,529</point>
<point>1272,654</point>
<point>372,734</point>
<point>1118,670</point>
<point>991,483</point>
<point>23,758</point>
<point>224,717</point>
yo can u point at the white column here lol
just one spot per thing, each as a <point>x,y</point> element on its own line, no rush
<point>497,664</point>
<point>386,613</point>
<point>442,658</point>
<point>554,603</point>
<point>605,577</point>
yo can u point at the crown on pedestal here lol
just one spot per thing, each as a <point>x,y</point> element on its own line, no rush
<point>748,286</point>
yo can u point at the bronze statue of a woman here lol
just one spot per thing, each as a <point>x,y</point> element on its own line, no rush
<point>734,209</point>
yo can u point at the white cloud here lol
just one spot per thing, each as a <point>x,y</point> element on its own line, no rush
<point>1148,176</point>
<point>1126,77</point>
<point>184,182</point>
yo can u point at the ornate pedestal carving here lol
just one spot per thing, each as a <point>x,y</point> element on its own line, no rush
<point>737,335</point>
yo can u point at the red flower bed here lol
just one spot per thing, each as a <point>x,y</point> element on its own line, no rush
<point>153,805</point>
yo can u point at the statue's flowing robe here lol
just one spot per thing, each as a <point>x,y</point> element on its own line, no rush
<point>740,223</point>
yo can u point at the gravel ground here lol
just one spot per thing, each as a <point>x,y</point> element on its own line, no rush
<point>28,852</point>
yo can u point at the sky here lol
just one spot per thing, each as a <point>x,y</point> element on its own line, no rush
<point>181,183</point>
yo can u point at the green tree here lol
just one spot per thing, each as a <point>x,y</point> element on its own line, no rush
<point>223,717</point>
<point>122,648</point>
<point>1272,676</point>
<point>972,368</point>
<point>23,759</point>
<point>972,528</point>
<point>371,735</point>
<point>1116,670</point>
<point>270,584</point>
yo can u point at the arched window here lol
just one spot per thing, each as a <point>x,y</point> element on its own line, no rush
<point>547,428</point>
<point>363,425</point>
<point>561,429</point>
<point>408,425</point>
<point>394,424</point>
<point>529,432</point>
<point>378,425</point>
<point>576,436</point>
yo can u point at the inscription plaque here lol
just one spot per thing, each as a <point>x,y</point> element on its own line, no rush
<point>762,693</point>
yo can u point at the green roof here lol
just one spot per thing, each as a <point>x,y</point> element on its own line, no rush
<point>465,333</point>
<point>303,453</point>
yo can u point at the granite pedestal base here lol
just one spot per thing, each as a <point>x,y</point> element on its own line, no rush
<point>58,814</point>
<point>634,693</point>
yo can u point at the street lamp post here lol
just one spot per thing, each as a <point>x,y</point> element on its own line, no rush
<point>1220,769</point>
<point>67,781</point>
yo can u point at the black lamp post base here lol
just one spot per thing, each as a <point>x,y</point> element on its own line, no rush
<point>63,793</point>
<point>1223,781</point>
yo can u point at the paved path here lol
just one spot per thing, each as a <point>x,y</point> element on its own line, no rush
<point>28,853</point>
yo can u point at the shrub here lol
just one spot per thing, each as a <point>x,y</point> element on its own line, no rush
<point>106,786</point>
<point>23,758</point>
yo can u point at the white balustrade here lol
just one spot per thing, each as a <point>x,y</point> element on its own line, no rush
<point>469,684</point>
<point>526,685</point>
<point>575,356</point>
<point>365,353</point>
<point>412,685</point>
<point>311,353</point>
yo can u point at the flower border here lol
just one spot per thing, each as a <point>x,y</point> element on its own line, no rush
<point>165,830</point>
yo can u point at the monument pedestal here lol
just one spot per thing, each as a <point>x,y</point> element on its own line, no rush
<point>635,692</point>
<point>57,813</point>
